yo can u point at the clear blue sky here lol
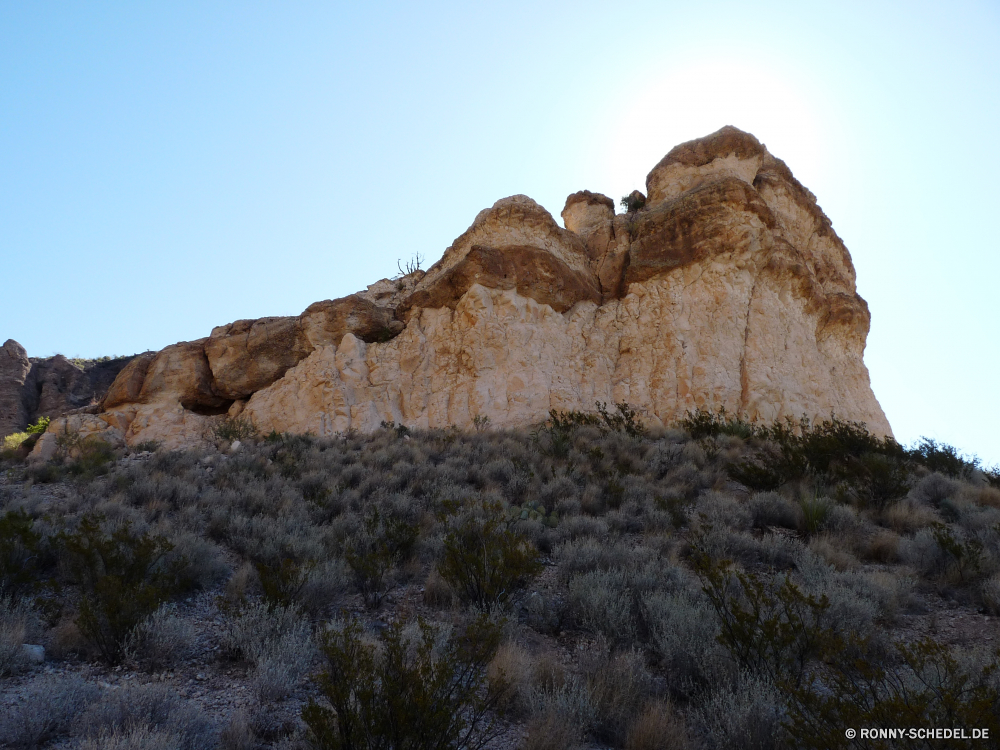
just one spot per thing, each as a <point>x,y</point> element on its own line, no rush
<point>169,167</point>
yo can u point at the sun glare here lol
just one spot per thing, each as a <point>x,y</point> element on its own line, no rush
<point>695,99</point>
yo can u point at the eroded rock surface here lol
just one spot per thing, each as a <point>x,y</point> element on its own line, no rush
<point>723,286</point>
<point>14,368</point>
<point>51,387</point>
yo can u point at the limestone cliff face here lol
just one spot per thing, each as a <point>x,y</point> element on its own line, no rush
<point>727,288</point>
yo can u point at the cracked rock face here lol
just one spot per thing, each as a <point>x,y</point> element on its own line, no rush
<point>14,368</point>
<point>726,287</point>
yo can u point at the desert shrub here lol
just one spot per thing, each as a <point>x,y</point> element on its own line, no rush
<point>21,554</point>
<point>133,738</point>
<point>769,626</point>
<point>834,551</point>
<point>772,509</point>
<point>123,577</point>
<point>874,479</point>
<point>965,554</point>
<point>934,489</point>
<point>619,686</point>
<point>624,419</point>
<point>238,734</point>
<point>543,613</point>
<point>942,458</point>
<point>17,620</point>
<point>854,603</point>
<point>93,457</point>
<point>577,527</point>
<point>684,635</point>
<point>990,592</point>
<point>275,641</point>
<point>232,429</point>
<point>10,444</point>
<point>404,691</point>
<point>161,640</point>
<point>384,541</point>
<point>154,708</point>
<point>909,516</point>
<point>437,593</point>
<point>725,539</point>
<point>723,511</point>
<point>283,582</point>
<point>483,559</point>
<point>50,705</point>
<point>926,684</point>
<point>551,731</point>
<point>659,726</point>
<point>603,602</point>
<point>815,511</point>
<point>512,674</point>
<point>703,423</point>
<point>281,669</point>
<point>745,713</point>
<point>923,554</point>
<point>197,562</point>
<point>568,699</point>
<point>324,584</point>
<point>40,426</point>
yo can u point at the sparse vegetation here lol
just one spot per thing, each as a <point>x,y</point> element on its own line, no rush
<point>232,429</point>
<point>595,580</point>
<point>407,689</point>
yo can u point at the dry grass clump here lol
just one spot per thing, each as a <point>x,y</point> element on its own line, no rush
<point>51,706</point>
<point>835,551</point>
<point>151,712</point>
<point>551,730</point>
<point>659,726</point>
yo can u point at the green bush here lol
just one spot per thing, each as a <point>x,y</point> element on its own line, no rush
<point>232,429</point>
<point>10,444</point>
<point>123,578</point>
<point>94,457</point>
<point>703,423</point>
<point>771,630</point>
<point>283,582</point>
<point>383,543</point>
<point>633,202</point>
<point>923,685</point>
<point>942,458</point>
<point>38,427</point>
<point>484,560</point>
<point>20,554</point>
<point>405,692</point>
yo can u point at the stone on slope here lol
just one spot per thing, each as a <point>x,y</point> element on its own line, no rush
<point>248,355</point>
<point>181,374</point>
<point>127,387</point>
<point>329,321</point>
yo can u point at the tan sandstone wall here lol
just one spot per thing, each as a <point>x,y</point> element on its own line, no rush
<point>727,288</point>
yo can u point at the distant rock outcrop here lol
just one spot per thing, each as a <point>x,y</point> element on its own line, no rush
<point>14,368</point>
<point>723,286</point>
<point>31,388</point>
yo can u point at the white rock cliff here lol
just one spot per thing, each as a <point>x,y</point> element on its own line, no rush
<point>727,288</point>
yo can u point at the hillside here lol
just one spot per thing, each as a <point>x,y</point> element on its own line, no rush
<point>593,583</point>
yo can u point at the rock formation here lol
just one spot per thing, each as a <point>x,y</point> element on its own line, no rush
<point>31,388</point>
<point>724,286</point>
<point>14,368</point>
